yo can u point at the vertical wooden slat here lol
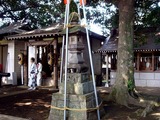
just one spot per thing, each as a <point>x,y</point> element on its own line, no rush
<point>25,65</point>
<point>138,60</point>
<point>55,65</point>
<point>106,68</point>
<point>38,49</point>
<point>152,61</point>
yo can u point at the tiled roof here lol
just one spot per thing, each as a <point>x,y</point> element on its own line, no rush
<point>55,29</point>
<point>46,31</point>
<point>13,28</point>
<point>110,45</point>
<point>152,44</point>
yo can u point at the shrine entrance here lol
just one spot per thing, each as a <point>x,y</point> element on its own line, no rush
<point>47,53</point>
<point>42,54</point>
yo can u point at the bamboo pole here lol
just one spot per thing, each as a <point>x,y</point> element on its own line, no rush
<point>91,61</point>
<point>66,59</point>
<point>62,54</point>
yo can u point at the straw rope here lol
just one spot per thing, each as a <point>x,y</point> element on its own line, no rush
<point>76,109</point>
<point>69,25</point>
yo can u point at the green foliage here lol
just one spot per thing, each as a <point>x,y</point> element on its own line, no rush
<point>147,12</point>
<point>39,13</point>
<point>131,85</point>
<point>35,12</point>
<point>140,40</point>
<point>157,40</point>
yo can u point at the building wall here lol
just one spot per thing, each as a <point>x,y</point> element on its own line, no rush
<point>19,47</point>
<point>85,51</point>
<point>143,79</point>
<point>97,60</point>
<point>95,44</point>
<point>10,61</point>
<point>3,56</point>
<point>5,59</point>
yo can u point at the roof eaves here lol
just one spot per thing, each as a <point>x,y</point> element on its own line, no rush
<point>14,37</point>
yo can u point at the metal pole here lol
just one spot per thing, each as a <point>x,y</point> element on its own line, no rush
<point>66,60</point>
<point>62,56</point>
<point>91,61</point>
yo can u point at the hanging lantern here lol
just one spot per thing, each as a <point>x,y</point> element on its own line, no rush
<point>82,2</point>
<point>145,59</point>
<point>21,58</point>
<point>112,56</point>
<point>141,59</point>
<point>50,59</point>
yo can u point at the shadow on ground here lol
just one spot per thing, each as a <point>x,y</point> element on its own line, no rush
<point>33,105</point>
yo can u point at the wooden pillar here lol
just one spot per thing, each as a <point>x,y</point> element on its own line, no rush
<point>38,52</point>
<point>36,56</point>
<point>1,54</point>
<point>152,61</point>
<point>55,64</point>
<point>25,65</point>
<point>106,59</point>
<point>138,59</point>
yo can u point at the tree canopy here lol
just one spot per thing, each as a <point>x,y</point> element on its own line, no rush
<point>35,12</point>
<point>45,12</point>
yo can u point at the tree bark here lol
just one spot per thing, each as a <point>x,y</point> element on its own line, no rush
<point>125,68</point>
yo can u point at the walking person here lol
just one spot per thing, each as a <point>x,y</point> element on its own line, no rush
<point>39,73</point>
<point>33,75</point>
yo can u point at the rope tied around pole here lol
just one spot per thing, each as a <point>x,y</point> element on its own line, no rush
<point>76,109</point>
<point>69,25</point>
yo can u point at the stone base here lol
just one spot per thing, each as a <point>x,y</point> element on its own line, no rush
<point>75,116</point>
<point>78,88</point>
<point>74,102</point>
<point>80,96</point>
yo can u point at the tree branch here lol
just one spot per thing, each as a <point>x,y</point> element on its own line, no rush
<point>22,8</point>
<point>115,2</point>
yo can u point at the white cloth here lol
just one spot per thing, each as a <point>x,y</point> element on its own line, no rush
<point>147,65</point>
<point>39,74</point>
<point>32,75</point>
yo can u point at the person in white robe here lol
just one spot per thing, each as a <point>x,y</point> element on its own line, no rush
<point>39,73</point>
<point>32,75</point>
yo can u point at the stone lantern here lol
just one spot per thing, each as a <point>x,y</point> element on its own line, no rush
<point>76,61</point>
<point>81,101</point>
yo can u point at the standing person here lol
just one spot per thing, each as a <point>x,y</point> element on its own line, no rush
<point>33,75</point>
<point>39,73</point>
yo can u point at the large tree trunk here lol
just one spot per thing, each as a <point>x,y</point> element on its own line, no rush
<point>125,68</point>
